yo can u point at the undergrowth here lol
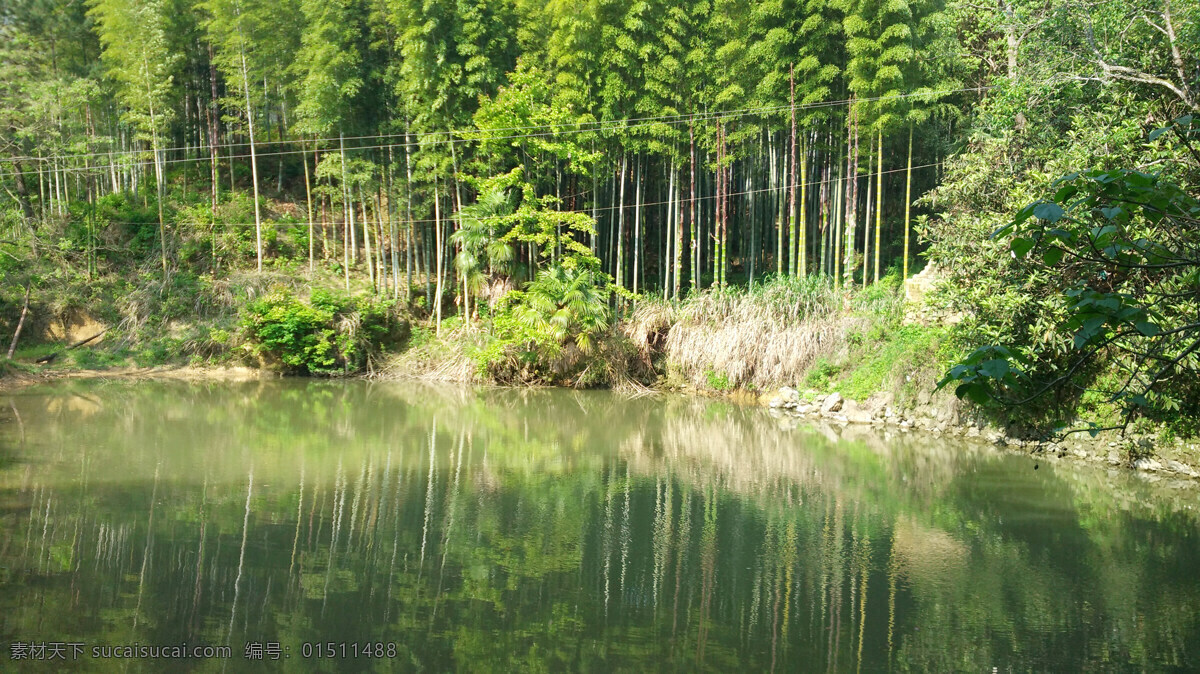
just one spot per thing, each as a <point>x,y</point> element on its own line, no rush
<point>324,334</point>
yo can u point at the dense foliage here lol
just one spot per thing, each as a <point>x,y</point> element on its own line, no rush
<point>324,335</point>
<point>1114,258</point>
<point>585,157</point>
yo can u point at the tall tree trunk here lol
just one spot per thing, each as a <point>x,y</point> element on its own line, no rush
<point>823,205</point>
<point>610,232</point>
<point>722,212</point>
<point>878,200</point>
<point>668,235</point>
<point>595,209</point>
<point>1011,41</point>
<point>838,215</point>
<point>308,203</point>
<point>907,199</point>
<point>253,154</point>
<point>692,216</point>
<point>457,207</point>
<point>214,139</point>
<point>556,250</point>
<point>366,227</point>
<point>393,233</point>
<point>677,211</point>
<point>42,207</point>
<point>751,219</point>
<point>792,179</point>
<point>426,234</point>
<point>437,231</point>
<point>158,175</point>
<point>726,202</point>
<point>381,243</point>
<point>408,212</point>
<point>347,213</point>
<point>89,248</point>
<point>229,164</point>
<point>777,180</point>
<point>22,191</point>
<point>851,220</point>
<point>802,243</point>
<point>618,265</point>
<point>637,222</point>
<point>12,346</point>
<point>718,175</point>
<point>867,219</point>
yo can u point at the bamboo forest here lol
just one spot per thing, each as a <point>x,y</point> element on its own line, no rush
<point>531,335</point>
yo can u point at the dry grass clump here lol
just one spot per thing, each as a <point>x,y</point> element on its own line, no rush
<point>242,286</point>
<point>647,327</point>
<point>769,334</point>
<point>778,303</point>
<point>755,352</point>
<point>432,359</point>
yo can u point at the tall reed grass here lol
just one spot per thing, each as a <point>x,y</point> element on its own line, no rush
<point>760,337</point>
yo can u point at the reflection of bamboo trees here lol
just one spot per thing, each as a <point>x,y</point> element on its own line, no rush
<point>237,583</point>
<point>137,611</point>
<point>299,519</point>
<point>862,559</point>
<point>538,536</point>
<point>708,555</point>
<point>663,520</point>
<point>607,537</point>
<point>625,533</point>
<point>198,586</point>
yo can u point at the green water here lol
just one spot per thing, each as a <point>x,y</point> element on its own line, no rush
<point>482,530</point>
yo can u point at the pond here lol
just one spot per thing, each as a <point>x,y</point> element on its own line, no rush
<point>354,526</point>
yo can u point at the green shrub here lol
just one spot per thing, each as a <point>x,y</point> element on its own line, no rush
<point>890,357</point>
<point>324,335</point>
<point>717,381</point>
<point>822,374</point>
<point>94,359</point>
<point>548,333</point>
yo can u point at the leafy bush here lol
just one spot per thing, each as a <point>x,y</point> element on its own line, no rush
<point>550,331</point>
<point>892,354</point>
<point>134,224</point>
<point>1117,255</point>
<point>324,335</point>
<point>717,381</point>
<point>822,374</point>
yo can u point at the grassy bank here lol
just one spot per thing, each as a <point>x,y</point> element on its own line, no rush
<point>785,332</point>
<point>866,344</point>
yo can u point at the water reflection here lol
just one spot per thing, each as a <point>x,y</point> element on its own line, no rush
<point>552,530</point>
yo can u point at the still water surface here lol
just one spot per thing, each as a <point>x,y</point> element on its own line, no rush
<point>406,527</point>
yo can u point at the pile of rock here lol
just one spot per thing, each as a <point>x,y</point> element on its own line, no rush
<point>945,416</point>
<point>833,406</point>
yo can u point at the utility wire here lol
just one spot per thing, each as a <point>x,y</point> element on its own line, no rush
<point>475,134</point>
<point>587,211</point>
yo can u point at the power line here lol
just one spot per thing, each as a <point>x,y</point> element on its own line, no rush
<point>464,134</point>
<point>306,223</point>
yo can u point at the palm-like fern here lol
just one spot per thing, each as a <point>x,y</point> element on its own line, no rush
<point>566,303</point>
<point>480,239</point>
